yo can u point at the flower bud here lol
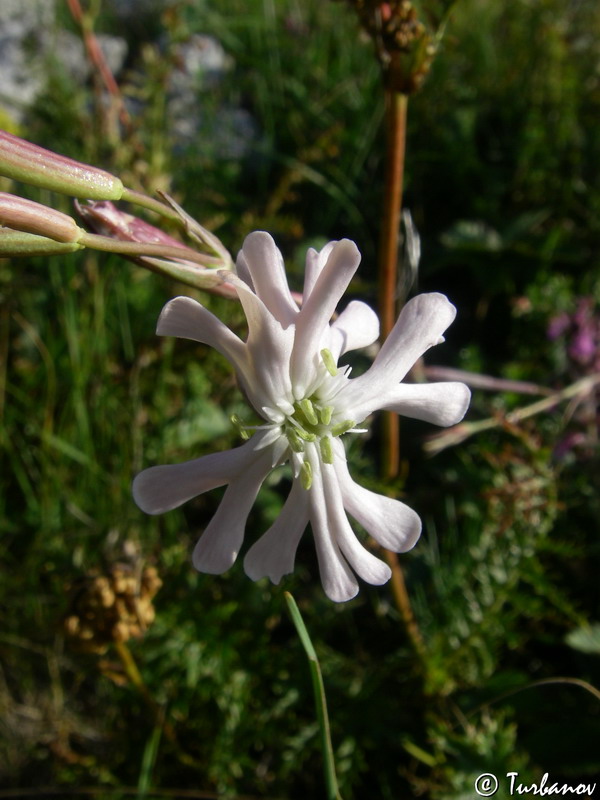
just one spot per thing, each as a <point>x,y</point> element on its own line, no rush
<point>23,161</point>
<point>108,220</point>
<point>201,271</point>
<point>29,217</point>
<point>17,243</point>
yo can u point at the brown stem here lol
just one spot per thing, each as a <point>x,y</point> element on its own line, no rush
<point>403,605</point>
<point>395,118</point>
<point>134,675</point>
<point>96,57</point>
<point>458,433</point>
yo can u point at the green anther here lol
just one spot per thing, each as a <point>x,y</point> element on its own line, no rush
<point>326,450</point>
<point>329,362</point>
<point>325,414</point>
<point>294,440</point>
<point>306,475</point>
<point>309,411</point>
<point>305,435</point>
<point>342,427</point>
<point>238,425</point>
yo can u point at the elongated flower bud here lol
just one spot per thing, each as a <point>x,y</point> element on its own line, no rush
<point>17,243</point>
<point>27,162</point>
<point>182,263</point>
<point>106,219</point>
<point>30,217</point>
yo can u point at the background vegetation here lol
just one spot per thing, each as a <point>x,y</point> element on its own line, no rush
<point>503,164</point>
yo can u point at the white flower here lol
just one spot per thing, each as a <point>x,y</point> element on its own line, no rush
<point>287,368</point>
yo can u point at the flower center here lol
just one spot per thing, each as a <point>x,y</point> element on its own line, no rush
<point>311,422</point>
<point>306,424</point>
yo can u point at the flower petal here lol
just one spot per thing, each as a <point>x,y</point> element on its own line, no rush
<point>443,403</point>
<point>269,346</point>
<point>220,543</point>
<point>318,309</point>
<point>160,489</point>
<point>187,319</point>
<point>265,265</point>
<point>367,566</point>
<point>315,261</point>
<point>273,555</point>
<point>419,327</point>
<point>337,578</point>
<point>391,523</point>
<point>241,267</point>
<point>357,326</point>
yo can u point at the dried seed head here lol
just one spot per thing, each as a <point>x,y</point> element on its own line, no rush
<point>404,44</point>
<point>111,608</point>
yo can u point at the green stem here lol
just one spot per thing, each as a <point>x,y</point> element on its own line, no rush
<point>320,700</point>
<point>139,199</point>
<point>139,249</point>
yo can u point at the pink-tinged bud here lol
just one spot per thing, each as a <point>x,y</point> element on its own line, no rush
<point>157,250</point>
<point>30,217</point>
<point>106,219</point>
<point>17,243</point>
<point>23,161</point>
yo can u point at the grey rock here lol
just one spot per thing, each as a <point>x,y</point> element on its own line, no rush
<point>30,44</point>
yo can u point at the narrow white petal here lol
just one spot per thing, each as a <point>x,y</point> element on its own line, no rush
<point>278,450</point>
<point>269,346</point>
<point>420,326</point>
<point>337,578</point>
<point>241,267</point>
<point>367,566</point>
<point>315,261</point>
<point>357,326</point>
<point>442,403</point>
<point>160,489</point>
<point>318,308</point>
<point>220,543</point>
<point>391,523</point>
<point>265,265</point>
<point>187,319</point>
<point>273,555</point>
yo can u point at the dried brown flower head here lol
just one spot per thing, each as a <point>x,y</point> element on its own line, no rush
<point>111,608</point>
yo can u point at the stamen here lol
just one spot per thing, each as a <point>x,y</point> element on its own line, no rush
<point>295,441</point>
<point>306,475</point>
<point>342,427</point>
<point>309,411</point>
<point>240,427</point>
<point>305,435</point>
<point>329,362</point>
<point>325,414</point>
<point>326,450</point>
<point>300,431</point>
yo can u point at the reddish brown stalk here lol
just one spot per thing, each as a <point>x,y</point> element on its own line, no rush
<point>396,105</point>
<point>396,108</point>
<point>96,57</point>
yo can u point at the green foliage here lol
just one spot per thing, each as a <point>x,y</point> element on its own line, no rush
<point>502,180</point>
